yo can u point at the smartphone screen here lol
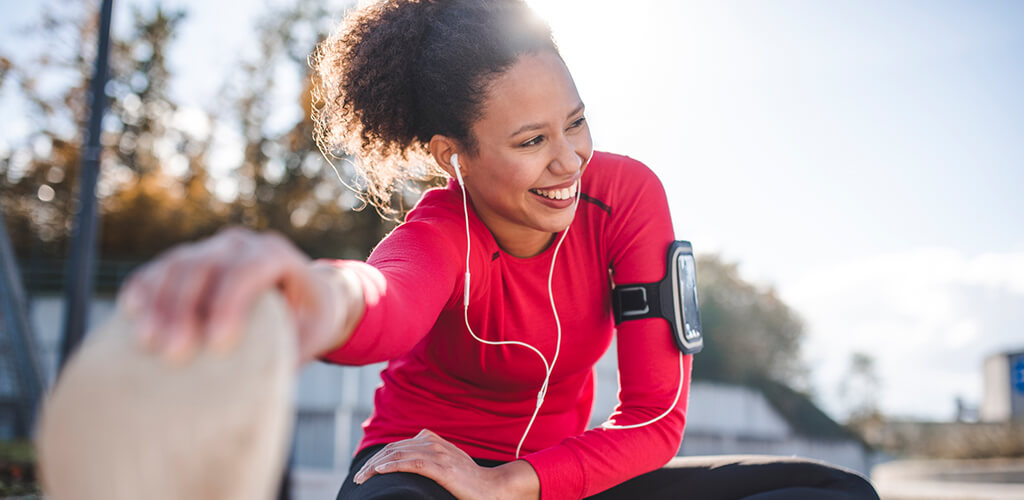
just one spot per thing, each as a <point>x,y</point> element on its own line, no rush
<point>684,291</point>
<point>688,285</point>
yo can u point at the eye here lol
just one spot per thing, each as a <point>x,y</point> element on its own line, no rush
<point>533,141</point>
<point>578,123</point>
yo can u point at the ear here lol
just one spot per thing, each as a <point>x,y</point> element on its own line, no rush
<point>442,148</point>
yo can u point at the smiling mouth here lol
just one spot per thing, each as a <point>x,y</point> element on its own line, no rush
<point>557,194</point>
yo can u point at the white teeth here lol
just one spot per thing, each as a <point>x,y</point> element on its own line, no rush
<point>558,194</point>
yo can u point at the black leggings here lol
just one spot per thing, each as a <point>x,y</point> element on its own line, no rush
<point>720,477</point>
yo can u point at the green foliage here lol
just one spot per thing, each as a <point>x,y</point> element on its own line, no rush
<point>17,469</point>
<point>750,333</point>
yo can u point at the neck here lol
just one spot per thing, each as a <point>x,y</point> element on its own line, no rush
<point>524,245</point>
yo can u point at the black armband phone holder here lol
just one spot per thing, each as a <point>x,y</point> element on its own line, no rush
<point>674,298</point>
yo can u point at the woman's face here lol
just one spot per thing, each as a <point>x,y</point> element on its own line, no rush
<point>532,145</point>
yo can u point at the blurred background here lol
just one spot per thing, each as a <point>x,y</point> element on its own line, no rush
<point>850,175</point>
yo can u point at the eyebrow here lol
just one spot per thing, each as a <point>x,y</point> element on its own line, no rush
<point>532,126</point>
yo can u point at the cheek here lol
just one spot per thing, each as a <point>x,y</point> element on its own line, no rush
<point>517,177</point>
<point>585,144</point>
<point>505,185</point>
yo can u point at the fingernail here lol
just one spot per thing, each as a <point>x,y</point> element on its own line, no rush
<point>178,344</point>
<point>218,333</point>
<point>380,468</point>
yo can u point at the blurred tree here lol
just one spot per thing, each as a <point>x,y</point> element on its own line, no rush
<point>156,187</point>
<point>38,173</point>
<point>144,207</point>
<point>750,332</point>
<point>860,388</point>
<point>5,66</point>
<point>284,182</point>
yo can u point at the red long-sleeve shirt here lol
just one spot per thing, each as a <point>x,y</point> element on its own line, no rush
<point>480,397</point>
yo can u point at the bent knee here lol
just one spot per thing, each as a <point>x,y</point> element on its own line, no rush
<point>820,474</point>
<point>398,486</point>
<point>837,478</point>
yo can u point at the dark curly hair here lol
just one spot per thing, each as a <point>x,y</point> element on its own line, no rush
<point>400,71</point>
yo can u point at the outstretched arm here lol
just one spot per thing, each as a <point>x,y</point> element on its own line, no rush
<point>404,285</point>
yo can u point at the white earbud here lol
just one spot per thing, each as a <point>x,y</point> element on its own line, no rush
<point>458,169</point>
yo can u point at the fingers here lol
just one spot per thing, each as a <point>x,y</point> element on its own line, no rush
<point>423,467</point>
<point>252,274</point>
<point>427,454</point>
<point>185,313</point>
<point>164,296</point>
<point>146,295</point>
<point>199,293</point>
<point>421,458</point>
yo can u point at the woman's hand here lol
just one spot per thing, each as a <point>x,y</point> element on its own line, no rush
<point>432,456</point>
<point>198,294</point>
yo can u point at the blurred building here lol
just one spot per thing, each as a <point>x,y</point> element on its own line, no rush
<point>995,430</point>
<point>1003,396</point>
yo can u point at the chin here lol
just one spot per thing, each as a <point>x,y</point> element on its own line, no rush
<point>556,225</point>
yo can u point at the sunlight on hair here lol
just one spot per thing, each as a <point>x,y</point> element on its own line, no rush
<point>564,16</point>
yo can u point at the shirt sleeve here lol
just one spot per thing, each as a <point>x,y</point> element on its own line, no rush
<point>651,371</point>
<point>408,279</point>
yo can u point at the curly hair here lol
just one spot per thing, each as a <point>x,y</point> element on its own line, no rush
<point>400,71</point>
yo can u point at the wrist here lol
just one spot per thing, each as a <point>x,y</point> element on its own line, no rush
<point>518,480</point>
<point>346,302</point>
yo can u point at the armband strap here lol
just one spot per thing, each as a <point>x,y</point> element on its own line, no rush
<point>674,299</point>
<point>635,301</point>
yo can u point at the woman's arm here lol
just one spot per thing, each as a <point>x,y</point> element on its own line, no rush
<point>636,237</point>
<point>584,465</point>
<point>404,285</point>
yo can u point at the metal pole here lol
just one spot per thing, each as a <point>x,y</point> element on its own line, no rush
<point>82,258</point>
<point>14,313</point>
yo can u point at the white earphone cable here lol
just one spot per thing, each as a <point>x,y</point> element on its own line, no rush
<point>465,298</point>
<point>548,367</point>
<point>609,425</point>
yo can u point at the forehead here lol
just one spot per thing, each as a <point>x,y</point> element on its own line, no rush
<point>535,89</point>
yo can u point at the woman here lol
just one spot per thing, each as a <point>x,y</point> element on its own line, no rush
<point>491,302</point>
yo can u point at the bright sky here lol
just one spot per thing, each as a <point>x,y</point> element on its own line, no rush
<point>865,158</point>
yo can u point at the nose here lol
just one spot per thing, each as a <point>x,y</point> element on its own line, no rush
<point>566,161</point>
